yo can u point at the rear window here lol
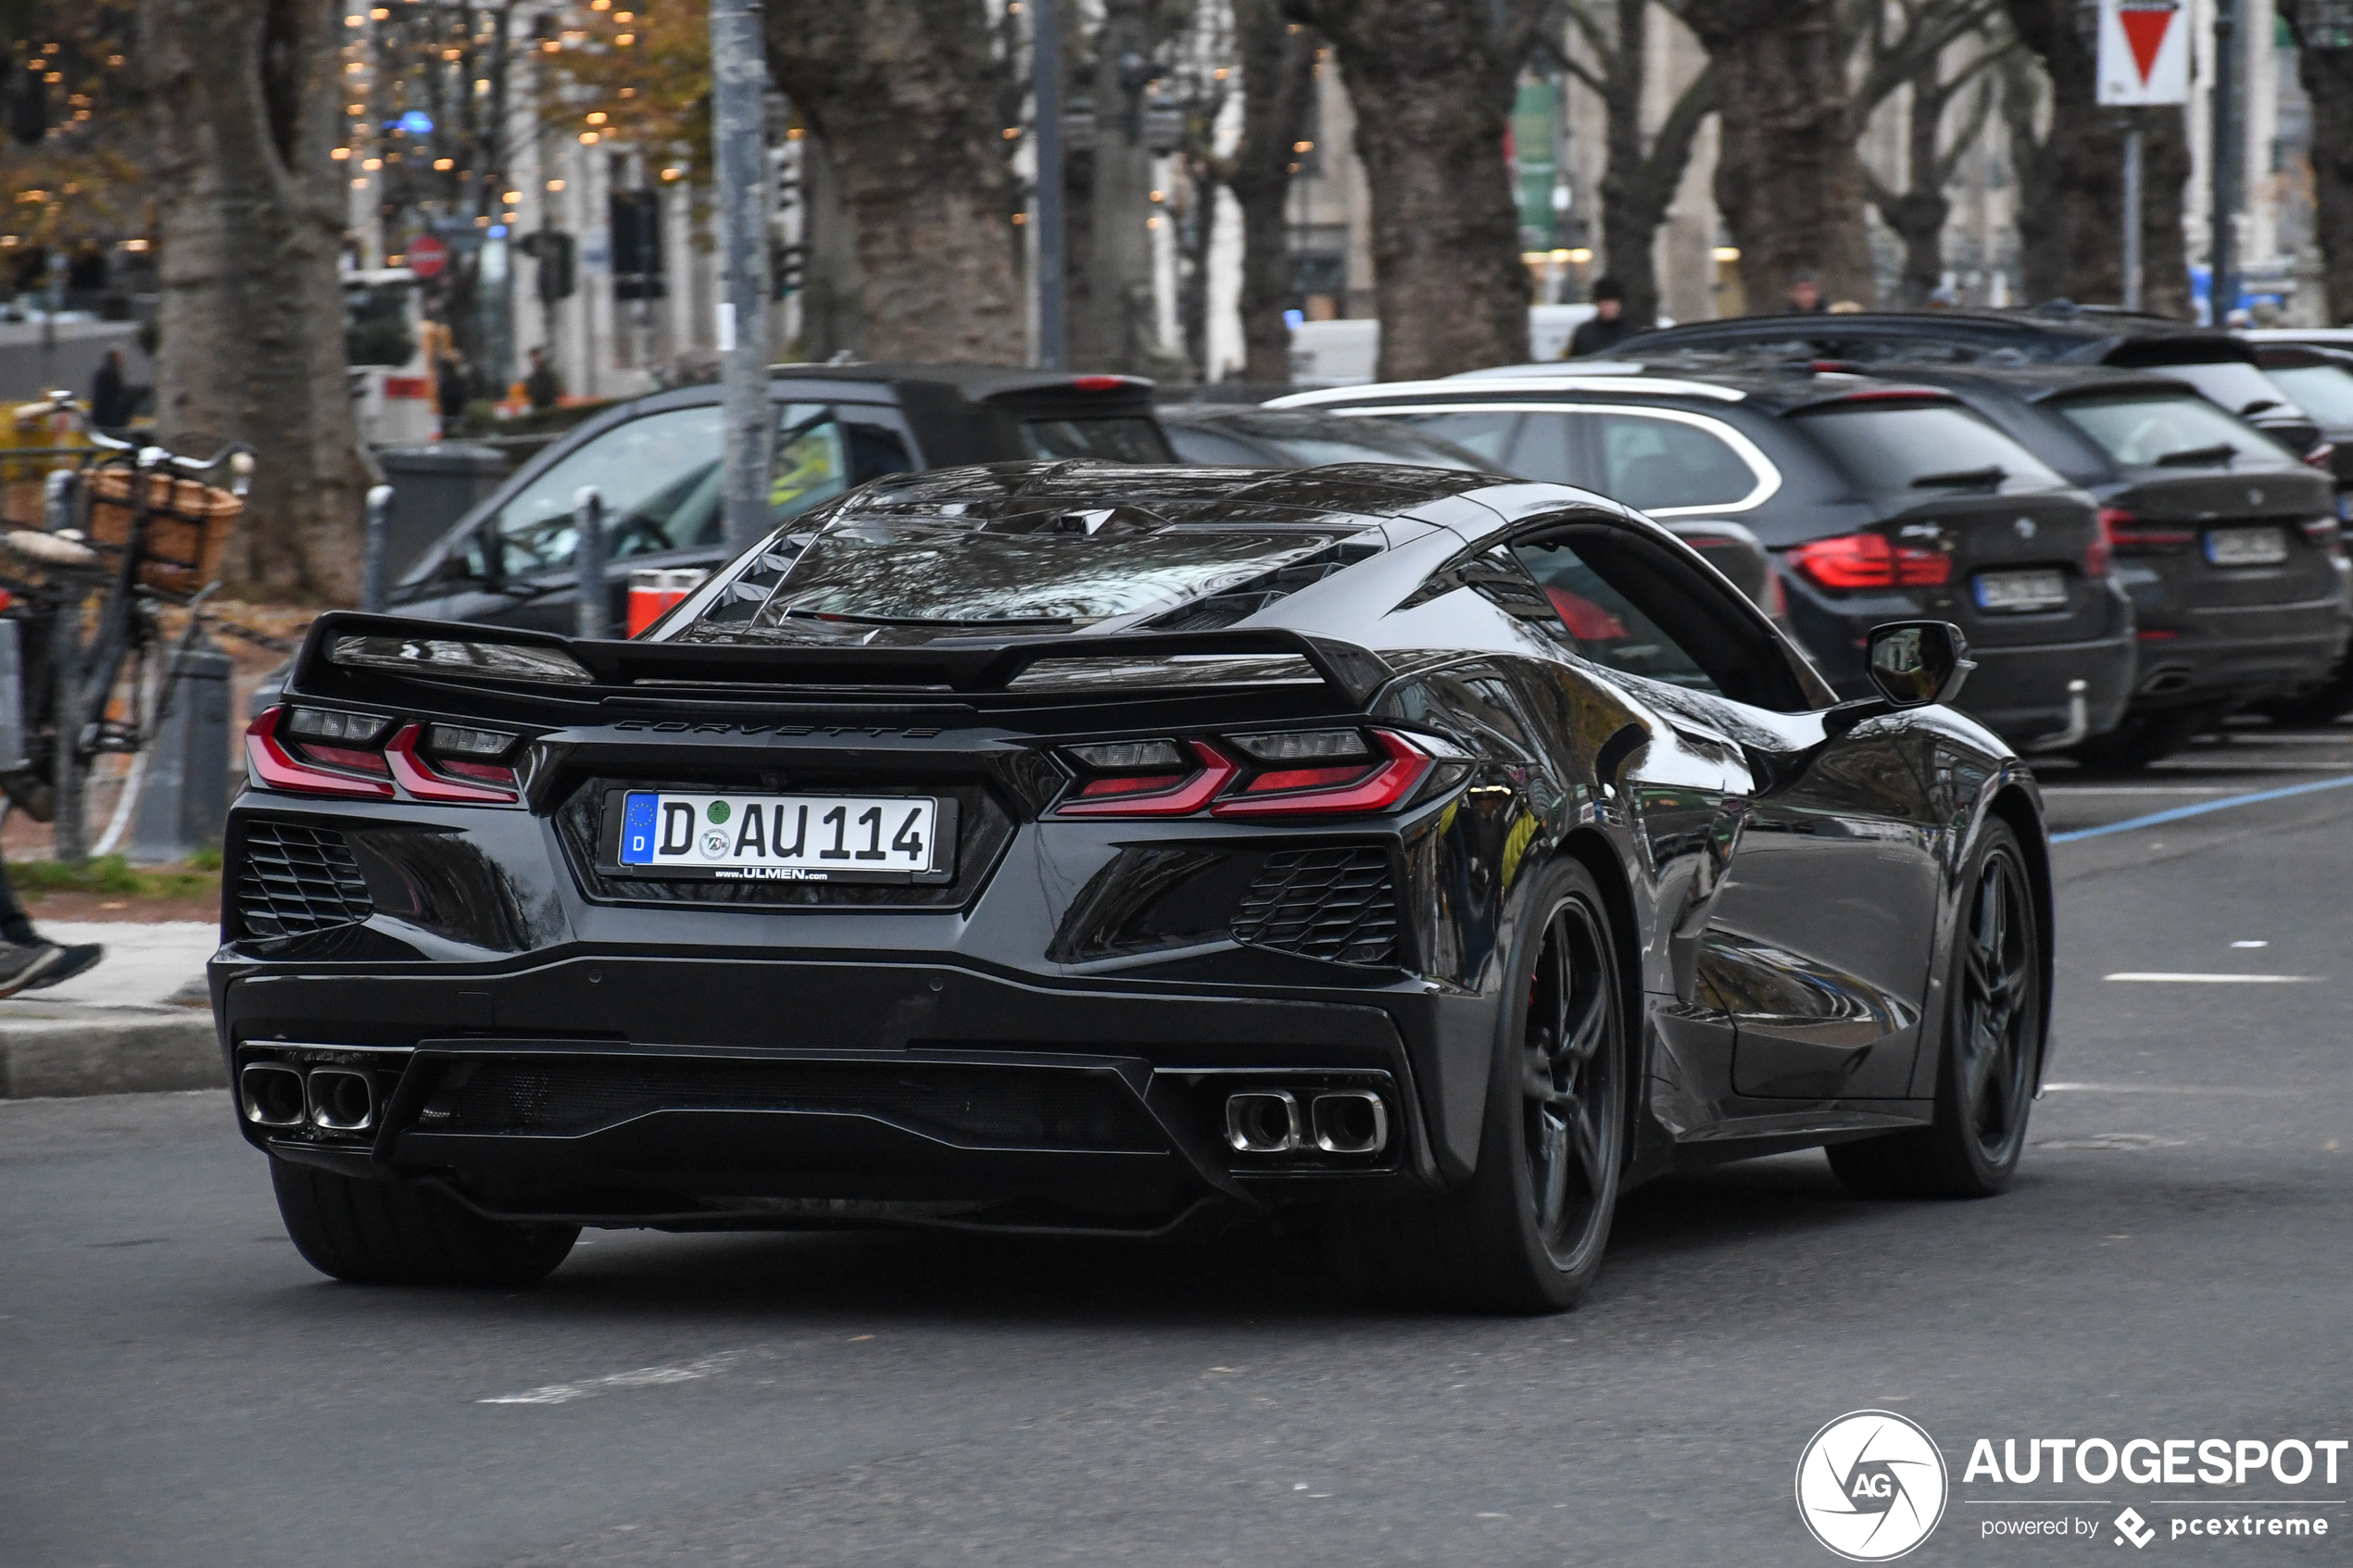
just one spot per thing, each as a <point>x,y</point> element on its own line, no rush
<point>1119,439</point>
<point>2140,429</point>
<point>1890,446</point>
<point>1652,463</point>
<point>2325,391</point>
<point>2234,383</point>
<point>1313,441</point>
<point>907,573</point>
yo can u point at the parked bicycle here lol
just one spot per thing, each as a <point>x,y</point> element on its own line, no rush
<point>127,531</point>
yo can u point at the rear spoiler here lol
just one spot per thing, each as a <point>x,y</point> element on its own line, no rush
<point>960,665</point>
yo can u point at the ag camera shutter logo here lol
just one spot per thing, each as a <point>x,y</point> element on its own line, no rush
<point>1872,1486</point>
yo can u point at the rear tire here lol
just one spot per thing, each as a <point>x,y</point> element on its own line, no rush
<point>2325,705</point>
<point>1527,1233</point>
<point>1992,1044</point>
<point>391,1232</point>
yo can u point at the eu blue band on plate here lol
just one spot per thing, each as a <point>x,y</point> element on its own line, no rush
<point>637,830</point>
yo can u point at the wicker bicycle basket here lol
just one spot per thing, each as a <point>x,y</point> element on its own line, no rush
<point>188,526</point>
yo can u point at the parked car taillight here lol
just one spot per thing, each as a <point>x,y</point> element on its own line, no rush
<point>1267,773</point>
<point>1871,560</point>
<point>328,751</point>
<point>2323,457</point>
<point>2127,534</point>
<point>2324,533</point>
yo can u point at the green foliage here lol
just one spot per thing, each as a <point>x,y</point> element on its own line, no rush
<point>113,875</point>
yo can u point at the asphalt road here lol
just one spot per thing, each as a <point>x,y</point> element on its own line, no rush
<point>176,1387</point>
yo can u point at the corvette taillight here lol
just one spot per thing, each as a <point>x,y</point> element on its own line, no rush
<point>326,751</point>
<point>274,766</point>
<point>1274,773</point>
<point>1871,560</point>
<point>1300,791</point>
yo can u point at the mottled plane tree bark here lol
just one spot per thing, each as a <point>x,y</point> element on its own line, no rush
<point>904,94</point>
<point>249,217</point>
<point>1916,59</point>
<point>2323,37</point>
<point>2071,231</point>
<point>1278,57</point>
<point>1788,181</point>
<point>1432,82</point>
<point>1643,169</point>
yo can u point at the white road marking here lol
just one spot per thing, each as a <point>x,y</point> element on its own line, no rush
<point>2049,789</point>
<point>643,1377</point>
<point>2251,943</point>
<point>2167,977</point>
<point>2169,1090</point>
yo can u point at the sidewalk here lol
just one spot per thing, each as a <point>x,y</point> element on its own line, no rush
<point>117,1029</point>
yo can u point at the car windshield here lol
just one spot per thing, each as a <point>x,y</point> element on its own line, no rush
<point>1895,447</point>
<point>2139,428</point>
<point>1120,439</point>
<point>2234,384</point>
<point>897,571</point>
<point>2325,391</point>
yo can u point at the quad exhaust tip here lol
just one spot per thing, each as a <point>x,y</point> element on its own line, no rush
<point>342,1100</point>
<point>1335,1121</point>
<point>272,1094</point>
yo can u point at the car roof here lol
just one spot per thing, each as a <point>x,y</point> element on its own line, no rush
<point>1729,378</point>
<point>2083,327</point>
<point>2034,382</point>
<point>1367,492</point>
<point>978,382</point>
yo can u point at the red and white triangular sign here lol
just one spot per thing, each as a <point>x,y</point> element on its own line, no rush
<point>2145,52</point>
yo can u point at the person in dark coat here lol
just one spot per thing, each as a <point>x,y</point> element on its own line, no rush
<point>543,386</point>
<point>1601,332</point>
<point>111,397</point>
<point>449,391</point>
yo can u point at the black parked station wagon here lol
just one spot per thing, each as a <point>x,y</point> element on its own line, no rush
<point>1428,856</point>
<point>1880,501</point>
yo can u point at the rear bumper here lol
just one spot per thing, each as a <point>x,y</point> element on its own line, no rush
<point>692,1092</point>
<point>2239,655</point>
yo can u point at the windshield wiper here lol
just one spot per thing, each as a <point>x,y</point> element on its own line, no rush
<point>2199,456</point>
<point>1989,477</point>
<point>2259,406</point>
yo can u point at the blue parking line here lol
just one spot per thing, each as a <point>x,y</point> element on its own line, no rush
<point>2179,812</point>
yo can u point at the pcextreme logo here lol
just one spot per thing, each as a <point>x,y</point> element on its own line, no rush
<point>1871,1485</point>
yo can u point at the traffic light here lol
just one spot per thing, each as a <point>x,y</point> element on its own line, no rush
<point>556,254</point>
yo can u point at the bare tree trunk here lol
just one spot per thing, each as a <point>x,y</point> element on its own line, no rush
<point>1787,177</point>
<point>1278,101</point>
<point>2325,65</point>
<point>833,312</point>
<point>1918,212</point>
<point>1432,82</point>
<point>1114,331</point>
<point>2071,232</point>
<point>250,210</point>
<point>1639,179</point>
<point>901,90</point>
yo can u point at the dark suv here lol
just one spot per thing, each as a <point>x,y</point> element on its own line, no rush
<point>1880,501</point>
<point>2218,364</point>
<point>2227,545</point>
<point>510,562</point>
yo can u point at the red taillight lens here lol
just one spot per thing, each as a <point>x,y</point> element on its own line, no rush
<point>272,766</point>
<point>1587,622</point>
<point>1171,795</point>
<point>2323,457</point>
<point>1871,560</point>
<point>1318,792</point>
<point>2097,556</point>
<point>2126,533</point>
<point>425,784</point>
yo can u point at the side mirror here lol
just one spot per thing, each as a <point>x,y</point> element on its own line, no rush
<point>1917,662</point>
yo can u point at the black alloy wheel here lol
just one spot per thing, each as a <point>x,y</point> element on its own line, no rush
<point>1572,1103</point>
<point>1526,1234</point>
<point>1993,1043</point>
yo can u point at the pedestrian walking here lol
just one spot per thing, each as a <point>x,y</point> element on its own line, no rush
<point>29,961</point>
<point>543,386</point>
<point>111,397</point>
<point>1804,295</point>
<point>1601,332</point>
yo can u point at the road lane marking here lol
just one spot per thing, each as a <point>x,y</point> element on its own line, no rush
<point>2162,976</point>
<point>2202,807</point>
<point>2169,1090</point>
<point>643,1377</point>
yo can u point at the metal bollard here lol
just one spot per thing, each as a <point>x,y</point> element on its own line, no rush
<point>184,803</point>
<point>594,612</point>
<point>58,497</point>
<point>371,589</point>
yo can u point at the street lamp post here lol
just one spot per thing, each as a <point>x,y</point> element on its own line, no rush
<point>2221,295</point>
<point>1046,89</point>
<point>738,135</point>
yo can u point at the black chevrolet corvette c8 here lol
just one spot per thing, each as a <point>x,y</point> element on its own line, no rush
<point>1062,845</point>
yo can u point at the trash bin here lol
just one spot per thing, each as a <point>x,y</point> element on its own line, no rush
<point>184,800</point>
<point>432,487</point>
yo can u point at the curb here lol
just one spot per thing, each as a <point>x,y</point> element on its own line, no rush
<point>66,1051</point>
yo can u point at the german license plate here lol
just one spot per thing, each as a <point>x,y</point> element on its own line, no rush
<point>2019,591</point>
<point>2247,547</point>
<point>783,837</point>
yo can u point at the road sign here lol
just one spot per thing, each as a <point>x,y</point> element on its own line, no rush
<point>2144,53</point>
<point>427,256</point>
